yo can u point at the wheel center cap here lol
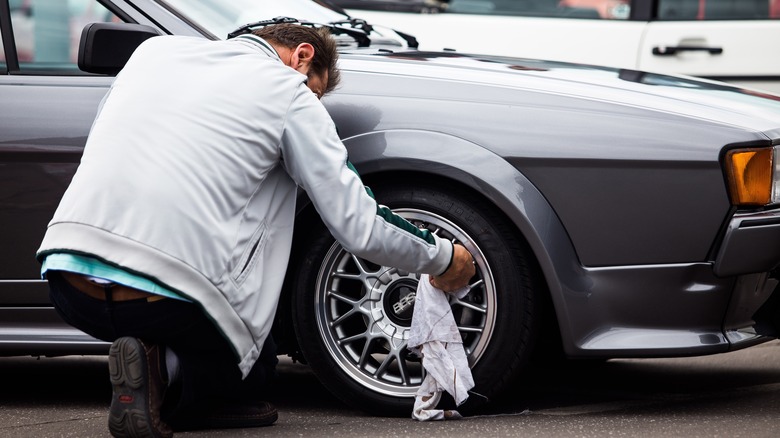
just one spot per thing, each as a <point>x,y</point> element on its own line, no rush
<point>398,301</point>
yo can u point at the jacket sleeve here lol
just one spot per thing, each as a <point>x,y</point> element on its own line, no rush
<point>317,160</point>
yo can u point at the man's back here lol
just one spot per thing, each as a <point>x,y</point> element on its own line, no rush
<point>190,131</point>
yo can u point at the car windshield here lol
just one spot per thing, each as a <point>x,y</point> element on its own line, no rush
<point>223,16</point>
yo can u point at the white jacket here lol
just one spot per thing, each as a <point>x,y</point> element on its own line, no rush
<point>189,178</point>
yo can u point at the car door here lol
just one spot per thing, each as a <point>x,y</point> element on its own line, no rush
<point>46,109</point>
<point>732,40</point>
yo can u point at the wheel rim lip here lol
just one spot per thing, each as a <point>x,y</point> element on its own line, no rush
<point>336,256</point>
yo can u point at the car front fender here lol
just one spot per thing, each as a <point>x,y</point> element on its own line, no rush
<point>445,157</point>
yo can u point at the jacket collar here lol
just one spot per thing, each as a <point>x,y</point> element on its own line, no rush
<point>258,42</point>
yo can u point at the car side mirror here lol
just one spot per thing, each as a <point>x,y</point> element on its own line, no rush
<point>104,48</point>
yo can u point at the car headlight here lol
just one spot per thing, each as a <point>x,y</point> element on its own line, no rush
<point>753,176</point>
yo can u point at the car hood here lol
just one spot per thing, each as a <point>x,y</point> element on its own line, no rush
<point>686,96</point>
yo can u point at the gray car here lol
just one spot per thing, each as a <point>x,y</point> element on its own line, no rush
<point>611,213</point>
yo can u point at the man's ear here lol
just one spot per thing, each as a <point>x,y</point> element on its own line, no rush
<point>302,57</point>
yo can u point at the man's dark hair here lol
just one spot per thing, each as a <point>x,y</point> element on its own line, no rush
<point>325,53</point>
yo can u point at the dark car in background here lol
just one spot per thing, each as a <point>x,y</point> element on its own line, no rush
<point>611,212</point>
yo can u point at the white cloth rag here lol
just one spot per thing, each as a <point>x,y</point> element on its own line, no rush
<point>435,337</point>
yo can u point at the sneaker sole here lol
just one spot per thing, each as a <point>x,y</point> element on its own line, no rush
<point>129,412</point>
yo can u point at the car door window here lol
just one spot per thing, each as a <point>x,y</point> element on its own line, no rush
<point>598,9</point>
<point>718,9</point>
<point>47,32</point>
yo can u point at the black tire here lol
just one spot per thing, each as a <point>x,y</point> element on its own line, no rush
<point>356,345</point>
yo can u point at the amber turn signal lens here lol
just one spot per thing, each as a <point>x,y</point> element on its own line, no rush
<point>749,174</point>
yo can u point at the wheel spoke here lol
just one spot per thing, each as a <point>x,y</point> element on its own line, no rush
<point>347,275</point>
<point>361,266</point>
<point>471,329</point>
<point>365,354</point>
<point>342,298</point>
<point>385,364</point>
<point>351,339</point>
<point>365,274</point>
<point>477,284</point>
<point>471,306</point>
<point>343,317</point>
<point>403,368</point>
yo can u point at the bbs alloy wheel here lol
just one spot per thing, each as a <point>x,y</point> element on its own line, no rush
<point>353,317</point>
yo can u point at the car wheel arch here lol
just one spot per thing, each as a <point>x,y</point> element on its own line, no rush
<point>385,156</point>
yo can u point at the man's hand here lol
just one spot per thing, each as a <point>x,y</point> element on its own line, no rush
<point>459,272</point>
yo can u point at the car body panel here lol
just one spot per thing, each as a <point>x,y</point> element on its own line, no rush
<point>37,162</point>
<point>552,163</point>
<point>601,310</point>
<point>39,331</point>
<point>746,232</point>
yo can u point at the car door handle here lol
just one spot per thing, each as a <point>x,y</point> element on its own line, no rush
<point>673,50</point>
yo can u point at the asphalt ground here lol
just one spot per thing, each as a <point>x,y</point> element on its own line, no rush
<point>734,394</point>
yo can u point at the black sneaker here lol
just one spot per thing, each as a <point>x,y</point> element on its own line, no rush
<point>227,416</point>
<point>137,376</point>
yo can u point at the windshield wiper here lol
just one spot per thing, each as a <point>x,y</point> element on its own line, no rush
<point>359,30</point>
<point>359,23</point>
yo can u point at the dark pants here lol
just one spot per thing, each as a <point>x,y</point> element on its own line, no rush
<point>208,369</point>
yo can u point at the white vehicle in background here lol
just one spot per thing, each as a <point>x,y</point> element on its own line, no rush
<point>735,41</point>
